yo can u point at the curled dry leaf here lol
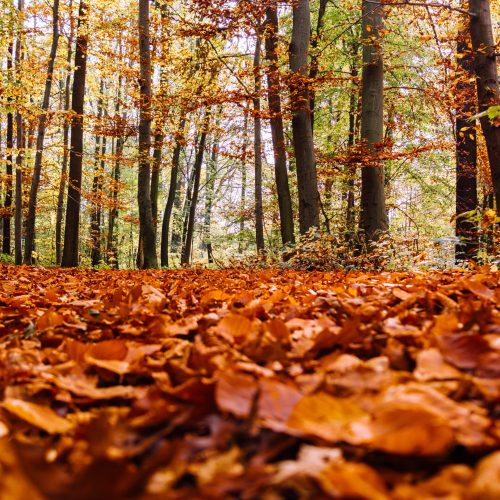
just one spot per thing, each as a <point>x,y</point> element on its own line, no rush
<point>39,416</point>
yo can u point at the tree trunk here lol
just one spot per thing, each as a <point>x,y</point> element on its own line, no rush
<point>303,144</point>
<point>6,241</point>
<point>72,224</point>
<point>488,93</point>
<point>147,231</point>
<point>466,156</point>
<point>313,72</point>
<point>18,214</point>
<point>373,220</point>
<point>172,189</point>
<point>64,168</point>
<point>257,144</point>
<point>95,214</point>
<point>186,253</point>
<point>278,136</point>
<point>42,124</point>
<point>210,189</point>
<point>155,175</point>
<point>112,245</point>
<point>243,190</point>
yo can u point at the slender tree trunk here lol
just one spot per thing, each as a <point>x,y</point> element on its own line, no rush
<point>209,199</point>
<point>351,140</point>
<point>42,124</point>
<point>64,168</point>
<point>95,207</point>
<point>72,224</point>
<point>147,231</point>
<point>155,175</point>
<point>112,245</point>
<point>18,214</point>
<point>303,144</point>
<point>6,241</point>
<point>313,72</point>
<point>112,248</point>
<point>278,136</point>
<point>174,173</point>
<point>186,253</point>
<point>488,93</point>
<point>243,190</point>
<point>257,144</point>
<point>373,220</point>
<point>466,156</point>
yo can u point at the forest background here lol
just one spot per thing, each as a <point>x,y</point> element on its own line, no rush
<point>221,85</point>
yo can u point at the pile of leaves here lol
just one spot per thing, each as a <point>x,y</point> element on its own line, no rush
<point>265,384</point>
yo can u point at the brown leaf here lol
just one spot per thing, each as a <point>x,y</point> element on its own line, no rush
<point>37,415</point>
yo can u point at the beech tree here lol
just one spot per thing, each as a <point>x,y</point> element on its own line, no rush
<point>488,92</point>
<point>42,125</point>
<point>70,255</point>
<point>276,121</point>
<point>147,231</point>
<point>303,145</point>
<point>373,220</point>
<point>466,153</point>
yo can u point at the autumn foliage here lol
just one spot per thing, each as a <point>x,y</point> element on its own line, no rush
<point>249,384</point>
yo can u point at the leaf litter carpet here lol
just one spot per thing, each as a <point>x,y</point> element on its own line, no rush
<point>263,384</point>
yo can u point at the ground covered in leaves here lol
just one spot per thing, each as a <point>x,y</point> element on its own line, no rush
<point>249,384</point>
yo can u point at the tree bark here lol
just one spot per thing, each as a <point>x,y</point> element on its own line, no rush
<point>72,224</point>
<point>257,144</point>
<point>277,133</point>
<point>6,241</point>
<point>42,124</point>
<point>95,205</point>
<point>313,72</point>
<point>209,199</point>
<point>488,93</point>
<point>18,214</point>
<point>466,156</point>
<point>373,220</point>
<point>155,175</point>
<point>243,190</point>
<point>147,231</point>
<point>174,173</point>
<point>186,253</point>
<point>303,144</point>
<point>64,168</point>
<point>112,244</point>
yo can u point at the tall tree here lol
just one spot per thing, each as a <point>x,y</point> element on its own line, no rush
<point>277,132</point>
<point>147,230</point>
<point>42,125</point>
<point>99,165</point>
<point>373,220</point>
<point>9,142</point>
<point>70,255</point>
<point>66,126</point>
<point>188,242</point>
<point>488,92</point>
<point>315,39</point>
<point>257,144</point>
<point>18,214</point>
<point>466,154</point>
<point>303,144</point>
<point>172,189</point>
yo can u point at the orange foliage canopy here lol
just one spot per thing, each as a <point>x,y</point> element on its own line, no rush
<point>249,384</point>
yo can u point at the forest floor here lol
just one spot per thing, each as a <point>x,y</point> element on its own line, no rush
<point>249,384</point>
